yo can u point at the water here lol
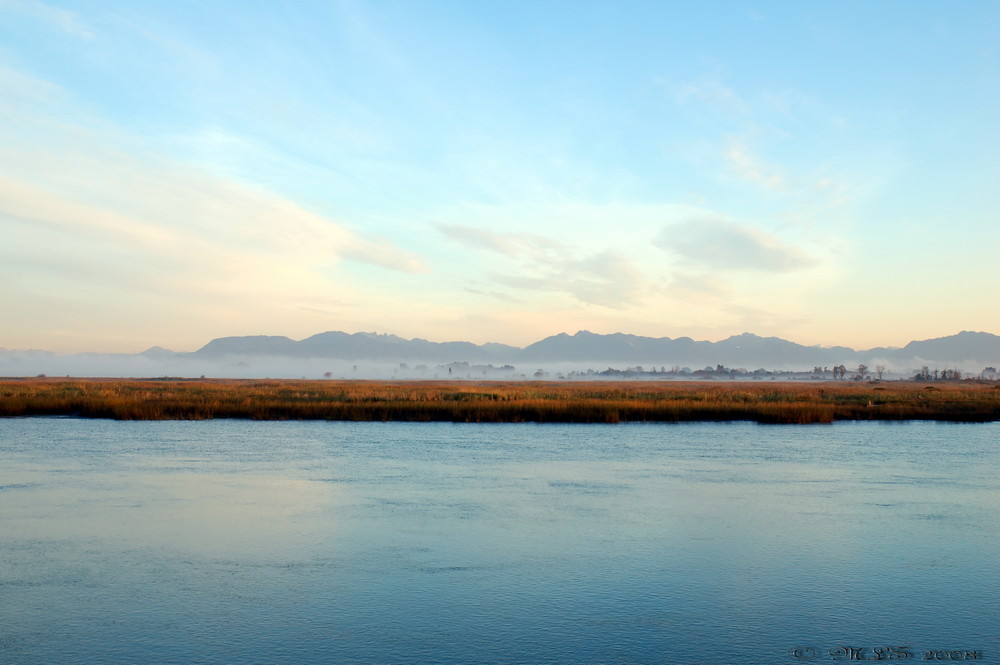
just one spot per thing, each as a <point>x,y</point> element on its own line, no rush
<point>314,542</point>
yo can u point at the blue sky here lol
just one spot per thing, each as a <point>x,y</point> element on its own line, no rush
<point>171,172</point>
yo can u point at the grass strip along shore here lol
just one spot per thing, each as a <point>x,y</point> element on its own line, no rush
<point>529,401</point>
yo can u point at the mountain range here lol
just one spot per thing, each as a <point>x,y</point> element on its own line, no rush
<point>380,356</point>
<point>745,350</point>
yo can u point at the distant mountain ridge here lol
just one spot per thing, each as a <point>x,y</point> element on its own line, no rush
<point>743,350</point>
<point>385,356</point>
<point>357,346</point>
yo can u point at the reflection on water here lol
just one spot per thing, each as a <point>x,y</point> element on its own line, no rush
<point>235,542</point>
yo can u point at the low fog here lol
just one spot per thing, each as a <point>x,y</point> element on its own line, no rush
<point>39,363</point>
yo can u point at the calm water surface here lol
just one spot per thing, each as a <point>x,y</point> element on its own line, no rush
<point>312,542</point>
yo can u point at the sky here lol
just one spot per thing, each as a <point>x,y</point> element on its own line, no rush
<point>172,172</point>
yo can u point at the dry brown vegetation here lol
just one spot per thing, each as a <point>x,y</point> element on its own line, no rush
<point>567,402</point>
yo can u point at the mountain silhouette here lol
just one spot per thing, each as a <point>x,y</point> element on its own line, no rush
<point>744,350</point>
<point>357,346</point>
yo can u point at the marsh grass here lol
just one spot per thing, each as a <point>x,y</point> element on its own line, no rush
<point>569,402</point>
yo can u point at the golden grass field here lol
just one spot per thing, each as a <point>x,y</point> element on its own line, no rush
<point>528,401</point>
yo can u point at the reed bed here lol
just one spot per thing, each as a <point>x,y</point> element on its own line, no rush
<point>563,402</point>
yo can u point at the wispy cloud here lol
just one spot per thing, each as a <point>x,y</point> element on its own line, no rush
<point>744,125</point>
<point>126,210</point>
<point>713,94</point>
<point>609,279</point>
<point>383,253</point>
<point>698,287</point>
<point>499,295</point>
<point>104,184</point>
<point>509,244</point>
<point>65,20</point>
<point>748,167</point>
<point>724,245</point>
<point>19,92</point>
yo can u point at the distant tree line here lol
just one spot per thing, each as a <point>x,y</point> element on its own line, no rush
<point>925,374</point>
